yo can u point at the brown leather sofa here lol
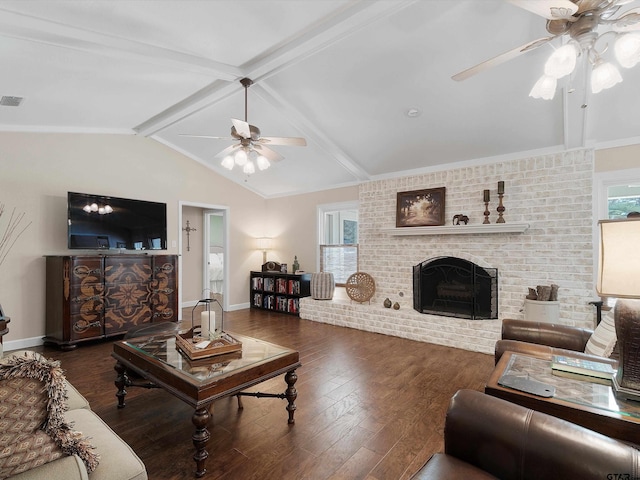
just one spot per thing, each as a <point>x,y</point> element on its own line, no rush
<point>487,437</point>
<point>543,340</point>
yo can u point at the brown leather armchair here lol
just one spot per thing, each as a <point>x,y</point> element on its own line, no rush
<point>544,340</point>
<point>487,437</point>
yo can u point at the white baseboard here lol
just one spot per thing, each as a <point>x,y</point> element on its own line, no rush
<point>23,343</point>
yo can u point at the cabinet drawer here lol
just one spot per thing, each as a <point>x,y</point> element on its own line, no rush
<point>85,326</point>
<point>128,270</point>
<point>126,296</point>
<point>119,320</point>
<point>86,270</point>
<point>86,298</point>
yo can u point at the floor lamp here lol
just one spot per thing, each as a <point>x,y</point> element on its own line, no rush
<point>619,276</point>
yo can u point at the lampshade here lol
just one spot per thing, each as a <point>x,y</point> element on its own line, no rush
<point>264,243</point>
<point>228,162</point>
<point>249,167</point>
<point>619,269</point>
<point>544,88</point>
<point>604,75</point>
<point>562,61</point>
<point>627,49</point>
<point>240,157</point>
<point>263,162</point>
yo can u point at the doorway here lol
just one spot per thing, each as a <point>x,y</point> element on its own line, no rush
<point>204,256</point>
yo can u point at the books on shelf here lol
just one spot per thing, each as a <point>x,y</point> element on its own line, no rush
<point>580,368</point>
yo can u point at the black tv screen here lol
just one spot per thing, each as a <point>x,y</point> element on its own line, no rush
<point>103,223</point>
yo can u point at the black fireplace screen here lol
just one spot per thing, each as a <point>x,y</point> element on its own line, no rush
<point>454,287</point>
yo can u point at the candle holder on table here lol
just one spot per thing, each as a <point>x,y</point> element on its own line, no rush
<point>207,341</point>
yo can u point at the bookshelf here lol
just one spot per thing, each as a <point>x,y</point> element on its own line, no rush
<point>280,292</point>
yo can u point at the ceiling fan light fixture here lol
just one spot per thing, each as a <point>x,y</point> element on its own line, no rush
<point>240,157</point>
<point>604,75</point>
<point>545,88</point>
<point>249,168</point>
<point>562,61</point>
<point>263,162</point>
<point>228,162</point>
<point>627,49</point>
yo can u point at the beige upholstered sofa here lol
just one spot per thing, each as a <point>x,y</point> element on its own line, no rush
<point>34,419</point>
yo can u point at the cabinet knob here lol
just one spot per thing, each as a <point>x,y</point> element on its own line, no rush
<point>166,291</point>
<point>82,298</point>
<point>166,268</point>
<point>82,325</point>
<point>167,313</point>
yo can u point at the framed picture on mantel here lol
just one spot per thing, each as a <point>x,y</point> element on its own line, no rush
<point>420,208</point>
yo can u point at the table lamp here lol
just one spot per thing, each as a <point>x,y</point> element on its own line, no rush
<point>619,276</point>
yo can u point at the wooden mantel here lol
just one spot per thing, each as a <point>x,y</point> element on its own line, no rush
<point>459,229</point>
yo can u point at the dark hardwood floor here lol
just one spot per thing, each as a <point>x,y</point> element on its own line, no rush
<point>369,406</point>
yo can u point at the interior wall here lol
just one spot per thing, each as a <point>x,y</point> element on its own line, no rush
<point>192,259</point>
<point>295,229</point>
<point>39,169</point>
<point>618,158</point>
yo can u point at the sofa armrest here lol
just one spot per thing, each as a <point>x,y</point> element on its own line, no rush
<point>65,468</point>
<point>541,333</point>
<point>513,442</point>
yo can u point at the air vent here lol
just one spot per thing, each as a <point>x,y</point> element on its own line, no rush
<point>8,101</point>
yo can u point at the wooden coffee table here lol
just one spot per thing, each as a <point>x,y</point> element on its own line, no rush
<point>154,362</point>
<point>591,405</point>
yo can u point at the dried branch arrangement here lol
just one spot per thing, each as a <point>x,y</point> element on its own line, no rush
<point>12,232</point>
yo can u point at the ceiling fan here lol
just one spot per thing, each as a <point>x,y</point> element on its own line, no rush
<point>251,146</point>
<point>578,21</point>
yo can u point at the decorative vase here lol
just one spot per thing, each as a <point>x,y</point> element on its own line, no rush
<point>396,306</point>
<point>322,285</point>
<point>387,303</point>
<point>296,265</point>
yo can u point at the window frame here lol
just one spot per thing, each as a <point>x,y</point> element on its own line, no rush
<point>324,209</point>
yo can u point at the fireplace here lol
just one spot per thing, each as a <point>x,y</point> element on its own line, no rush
<point>454,287</point>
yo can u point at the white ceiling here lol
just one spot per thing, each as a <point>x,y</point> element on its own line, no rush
<point>341,73</point>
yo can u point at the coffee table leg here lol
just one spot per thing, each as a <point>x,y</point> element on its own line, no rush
<point>200,438</point>
<point>121,381</point>
<point>291,393</point>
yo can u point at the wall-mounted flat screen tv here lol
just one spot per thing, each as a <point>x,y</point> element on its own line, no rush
<point>103,223</point>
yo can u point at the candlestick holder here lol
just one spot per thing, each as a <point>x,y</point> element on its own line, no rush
<point>486,213</point>
<point>500,209</point>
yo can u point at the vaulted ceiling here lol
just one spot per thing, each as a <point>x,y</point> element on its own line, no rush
<point>341,73</point>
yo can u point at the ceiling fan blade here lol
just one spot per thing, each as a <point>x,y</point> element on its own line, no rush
<point>628,21</point>
<point>511,54</point>
<point>271,155</point>
<point>242,128</point>
<point>290,141</point>
<point>549,9</point>
<point>228,151</point>
<point>203,136</point>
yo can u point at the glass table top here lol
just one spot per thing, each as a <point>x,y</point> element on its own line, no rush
<point>162,347</point>
<point>581,392</point>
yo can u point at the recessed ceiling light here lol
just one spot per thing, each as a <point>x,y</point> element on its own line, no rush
<point>414,112</point>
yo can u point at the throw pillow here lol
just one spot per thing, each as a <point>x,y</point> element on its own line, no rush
<point>603,340</point>
<point>33,400</point>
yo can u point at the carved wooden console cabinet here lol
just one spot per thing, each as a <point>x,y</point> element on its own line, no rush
<point>99,296</point>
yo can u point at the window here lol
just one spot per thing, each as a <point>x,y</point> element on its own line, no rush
<point>617,194</point>
<point>338,240</point>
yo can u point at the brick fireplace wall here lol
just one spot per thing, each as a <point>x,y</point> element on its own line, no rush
<point>552,193</point>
